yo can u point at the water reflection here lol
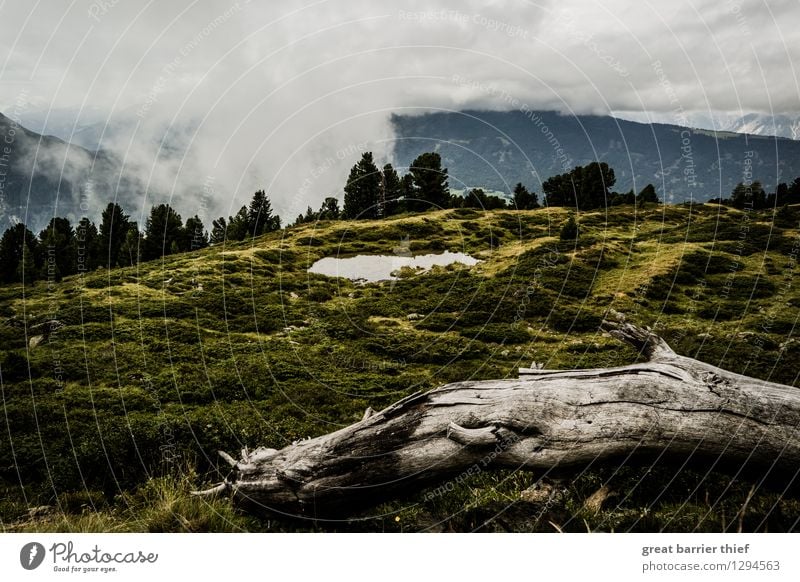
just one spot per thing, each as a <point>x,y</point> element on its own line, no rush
<point>372,268</point>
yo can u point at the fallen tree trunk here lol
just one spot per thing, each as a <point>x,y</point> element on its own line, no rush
<point>547,420</point>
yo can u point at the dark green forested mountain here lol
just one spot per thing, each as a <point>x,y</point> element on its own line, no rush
<point>495,150</point>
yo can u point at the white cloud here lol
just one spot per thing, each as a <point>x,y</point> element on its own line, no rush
<point>271,92</point>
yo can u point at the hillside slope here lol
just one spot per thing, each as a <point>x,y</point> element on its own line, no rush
<point>147,371</point>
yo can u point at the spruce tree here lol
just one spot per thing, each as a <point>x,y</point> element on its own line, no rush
<point>648,194</point>
<point>114,225</point>
<point>523,199</point>
<point>430,182</point>
<point>87,242</point>
<point>329,209</point>
<point>195,235</point>
<point>362,191</point>
<point>260,218</point>
<point>219,229</point>
<point>57,248</point>
<point>391,190</point>
<point>131,252</point>
<point>164,226</point>
<point>239,225</point>
<point>12,252</point>
<point>26,268</point>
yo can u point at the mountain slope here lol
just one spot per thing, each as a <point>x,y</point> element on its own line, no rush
<point>48,177</point>
<point>763,124</point>
<point>495,150</point>
<point>238,345</point>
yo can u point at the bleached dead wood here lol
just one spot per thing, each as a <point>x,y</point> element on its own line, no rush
<point>547,420</point>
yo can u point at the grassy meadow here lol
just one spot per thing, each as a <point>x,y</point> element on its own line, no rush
<point>113,411</point>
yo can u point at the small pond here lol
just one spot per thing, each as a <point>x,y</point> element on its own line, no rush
<point>372,268</point>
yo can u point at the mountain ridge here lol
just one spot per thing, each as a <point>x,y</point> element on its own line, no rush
<point>495,150</point>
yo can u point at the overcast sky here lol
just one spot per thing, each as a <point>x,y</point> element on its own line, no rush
<point>280,94</point>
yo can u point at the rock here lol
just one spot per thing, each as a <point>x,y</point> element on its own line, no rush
<point>541,492</point>
<point>35,341</point>
<point>595,501</point>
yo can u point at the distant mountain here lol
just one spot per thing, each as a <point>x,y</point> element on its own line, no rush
<point>64,123</point>
<point>765,124</point>
<point>752,123</point>
<point>495,150</point>
<point>45,177</point>
<point>42,176</point>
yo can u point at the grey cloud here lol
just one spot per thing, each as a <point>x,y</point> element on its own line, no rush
<point>284,96</point>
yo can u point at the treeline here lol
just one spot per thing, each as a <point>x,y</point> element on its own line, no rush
<point>250,221</point>
<point>754,196</point>
<point>371,192</point>
<point>62,249</point>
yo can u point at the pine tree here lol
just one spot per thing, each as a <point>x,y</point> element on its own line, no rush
<point>648,194</point>
<point>560,190</point>
<point>26,268</point>
<point>793,192</point>
<point>523,199</point>
<point>131,252</point>
<point>239,225</point>
<point>362,191</point>
<point>430,182</point>
<point>219,229</point>
<point>750,196</point>
<point>195,235</point>
<point>259,215</point>
<point>164,226</point>
<point>87,254</point>
<point>57,248</point>
<point>12,252</point>
<point>390,189</point>
<point>781,195</point>
<point>114,227</point>
<point>329,209</point>
<point>406,197</point>
<point>584,187</point>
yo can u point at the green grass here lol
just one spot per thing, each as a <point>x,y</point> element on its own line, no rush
<point>240,346</point>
